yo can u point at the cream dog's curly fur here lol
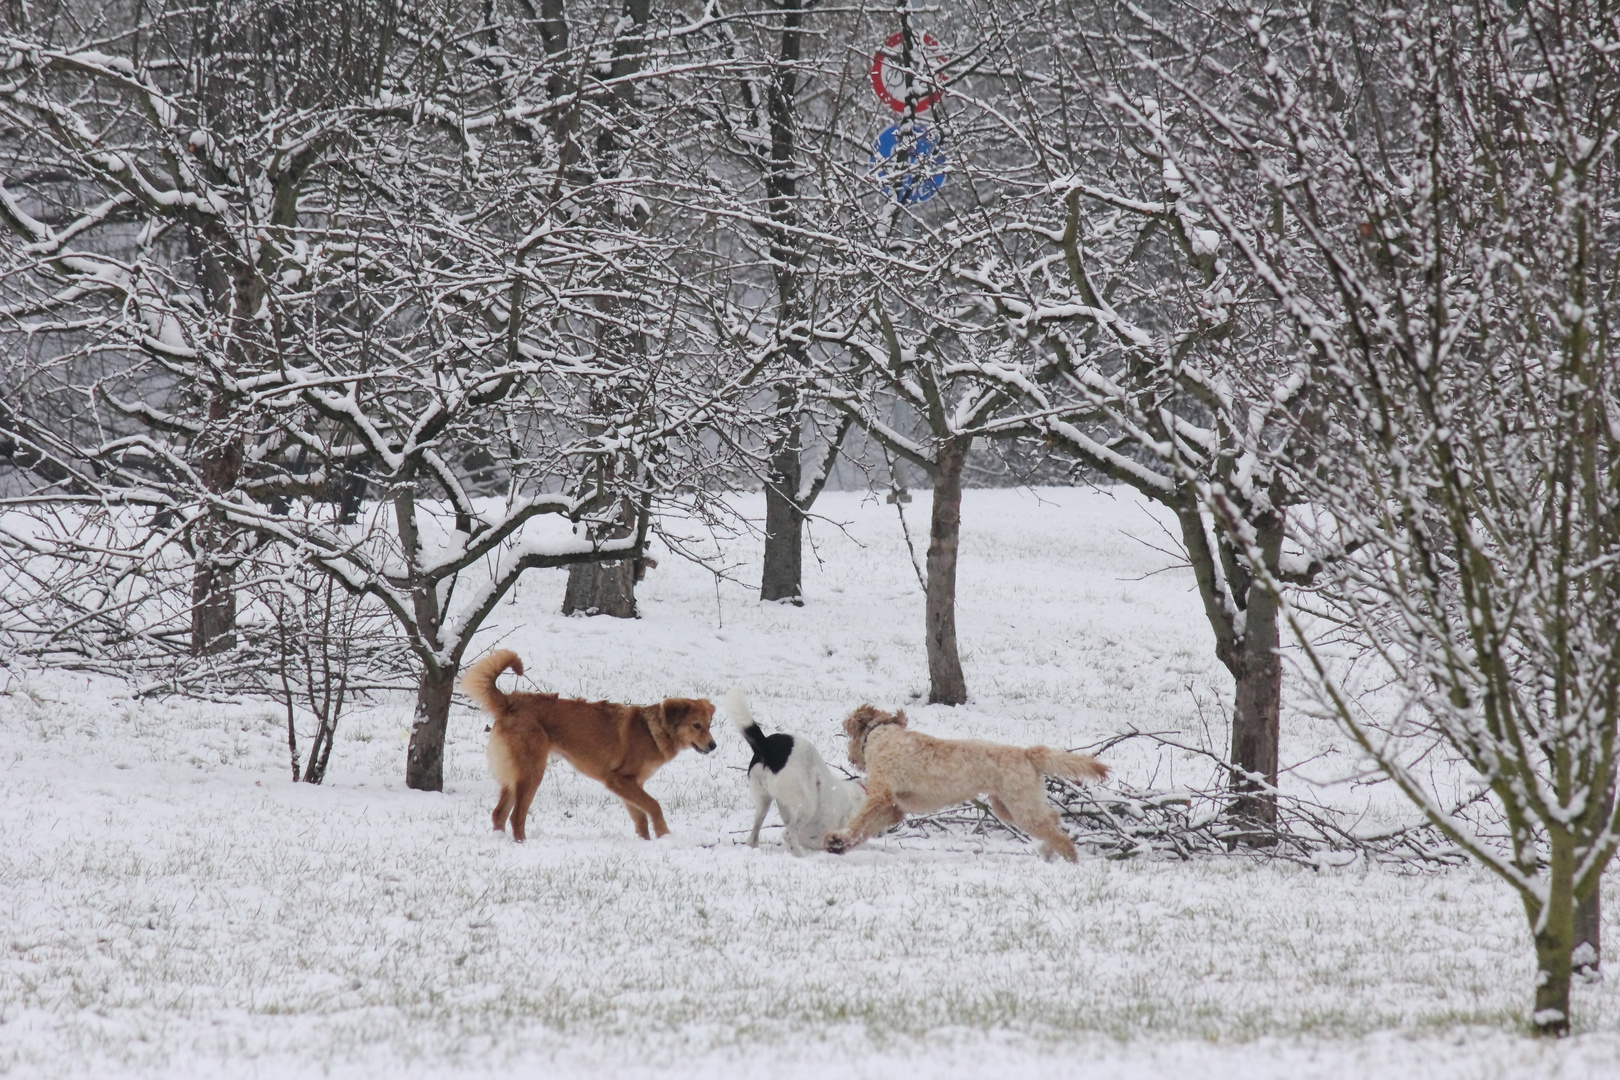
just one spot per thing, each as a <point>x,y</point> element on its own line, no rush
<point>908,772</point>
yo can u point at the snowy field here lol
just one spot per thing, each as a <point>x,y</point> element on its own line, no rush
<point>172,905</point>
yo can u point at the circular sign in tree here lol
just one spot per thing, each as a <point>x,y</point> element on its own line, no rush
<point>894,80</point>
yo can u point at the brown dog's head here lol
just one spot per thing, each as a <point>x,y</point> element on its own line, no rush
<point>688,720</point>
<point>859,724</point>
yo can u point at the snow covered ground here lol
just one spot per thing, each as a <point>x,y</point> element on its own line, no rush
<point>171,904</point>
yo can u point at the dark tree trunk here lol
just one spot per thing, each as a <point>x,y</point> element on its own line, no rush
<point>328,711</point>
<point>319,754</point>
<point>1255,728</point>
<point>1257,707</point>
<point>213,597</point>
<point>1589,933</point>
<point>424,761</point>
<point>605,588</point>
<point>783,578</point>
<point>351,492</point>
<point>1589,921</point>
<point>784,521</point>
<point>784,550</point>
<point>946,685</point>
<point>213,579</point>
<point>601,588</point>
<point>1554,931</point>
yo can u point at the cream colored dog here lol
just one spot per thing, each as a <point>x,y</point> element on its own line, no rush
<point>908,772</point>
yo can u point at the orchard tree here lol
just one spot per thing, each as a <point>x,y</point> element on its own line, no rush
<point>148,157</point>
<point>1124,324</point>
<point>245,264</point>
<point>1072,294</point>
<point>778,139</point>
<point>908,364</point>
<point>1429,195</point>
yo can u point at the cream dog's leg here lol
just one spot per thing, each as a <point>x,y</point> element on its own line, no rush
<point>877,813</point>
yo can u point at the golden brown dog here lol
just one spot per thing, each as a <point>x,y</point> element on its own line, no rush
<point>619,745</point>
<point>908,772</point>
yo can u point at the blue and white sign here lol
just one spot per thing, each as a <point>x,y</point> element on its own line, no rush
<point>910,164</point>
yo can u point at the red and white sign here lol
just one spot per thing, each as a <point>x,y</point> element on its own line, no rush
<point>889,74</point>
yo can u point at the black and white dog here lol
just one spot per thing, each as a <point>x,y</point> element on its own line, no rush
<point>812,800</point>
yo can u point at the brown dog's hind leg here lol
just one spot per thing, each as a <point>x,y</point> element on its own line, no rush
<point>526,787</point>
<point>877,813</point>
<point>503,809</point>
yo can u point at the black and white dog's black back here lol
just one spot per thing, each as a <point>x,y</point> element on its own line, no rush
<point>812,800</point>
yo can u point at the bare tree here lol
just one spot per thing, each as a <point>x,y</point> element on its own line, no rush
<point>135,198</point>
<point>775,127</point>
<point>599,132</point>
<point>1429,195</point>
<point>326,647</point>
<point>407,282</point>
<point>920,371</point>
<point>1064,291</point>
<point>1123,321</point>
<point>906,370</point>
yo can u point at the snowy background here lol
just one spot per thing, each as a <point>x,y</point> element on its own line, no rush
<point>172,904</point>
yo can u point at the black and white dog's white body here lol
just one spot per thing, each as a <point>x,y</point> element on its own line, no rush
<point>811,798</point>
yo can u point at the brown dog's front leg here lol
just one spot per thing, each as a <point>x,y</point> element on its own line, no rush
<point>636,797</point>
<point>640,820</point>
<point>877,813</point>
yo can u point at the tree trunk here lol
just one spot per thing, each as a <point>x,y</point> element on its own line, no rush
<point>605,588</point>
<point>213,596</point>
<point>320,751</point>
<point>424,761</point>
<point>784,517</point>
<point>945,683</point>
<point>784,521</point>
<point>1554,930</point>
<point>784,549</point>
<point>213,578</point>
<point>1588,955</point>
<point>1255,727</point>
<point>1257,705</point>
<point>601,588</point>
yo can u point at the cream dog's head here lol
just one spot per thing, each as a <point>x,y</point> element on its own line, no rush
<point>859,724</point>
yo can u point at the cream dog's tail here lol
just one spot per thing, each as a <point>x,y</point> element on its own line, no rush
<point>1068,765</point>
<point>479,680</point>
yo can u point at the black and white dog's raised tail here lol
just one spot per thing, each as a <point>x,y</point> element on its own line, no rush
<point>772,751</point>
<point>811,799</point>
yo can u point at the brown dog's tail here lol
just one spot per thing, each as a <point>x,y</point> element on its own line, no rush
<point>479,680</point>
<point>1068,765</point>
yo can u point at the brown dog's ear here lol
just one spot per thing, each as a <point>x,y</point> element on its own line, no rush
<point>676,710</point>
<point>900,717</point>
